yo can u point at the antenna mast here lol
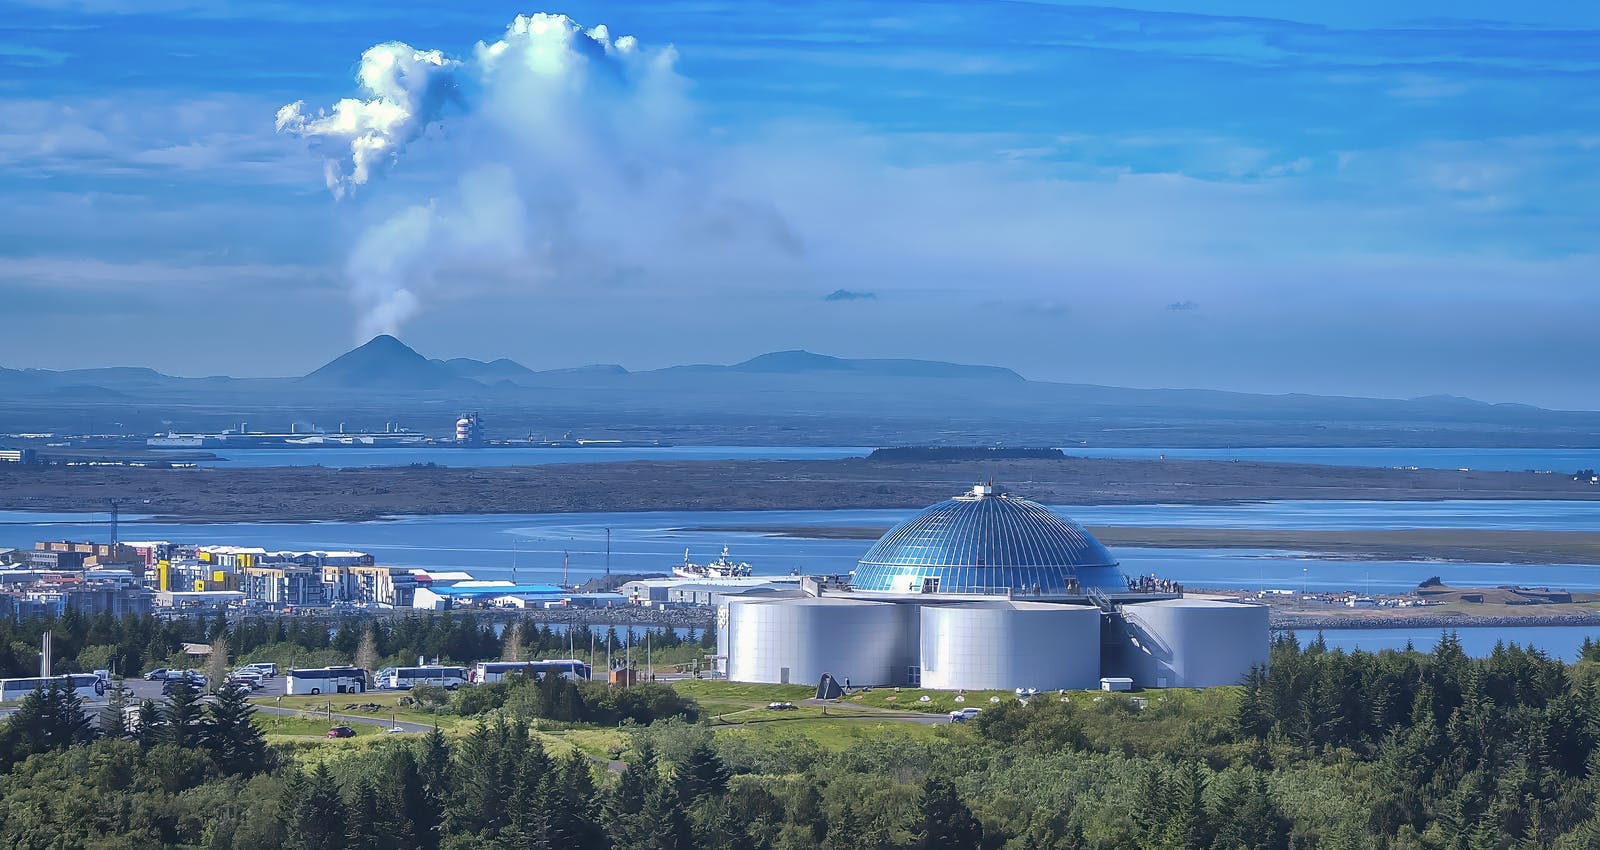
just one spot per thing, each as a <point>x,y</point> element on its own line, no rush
<point>114,517</point>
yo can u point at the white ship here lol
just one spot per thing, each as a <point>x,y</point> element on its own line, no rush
<point>722,567</point>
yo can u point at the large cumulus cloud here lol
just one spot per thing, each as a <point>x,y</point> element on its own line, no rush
<point>555,153</point>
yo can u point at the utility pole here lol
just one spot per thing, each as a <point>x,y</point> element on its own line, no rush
<point>564,557</point>
<point>608,552</point>
<point>513,560</point>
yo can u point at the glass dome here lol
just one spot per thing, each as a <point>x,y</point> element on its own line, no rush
<point>989,542</point>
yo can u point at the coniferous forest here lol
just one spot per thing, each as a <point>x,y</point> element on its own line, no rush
<point>1322,749</point>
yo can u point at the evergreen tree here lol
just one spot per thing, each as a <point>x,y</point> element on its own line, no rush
<point>415,803</point>
<point>702,773</point>
<point>1254,717</point>
<point>624,811</point>
<point>49,718</point>
<point>1246,818</point>
<point>533,808</point>
<point>1188,826</point>
<point>573,821</point>
<point>364,829</point>
<point>320,818</point>
<point>668,823</point>
<point>230,734</point>
<point>219,626</point>
<point>151,725</point>
<point>114,717</point>
<point>182,717</point>
<point>947,823</point>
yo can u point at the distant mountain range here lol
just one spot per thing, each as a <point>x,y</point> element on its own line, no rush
<point>930,399</point>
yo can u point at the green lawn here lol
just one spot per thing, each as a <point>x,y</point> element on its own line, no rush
<point>833,732</point>
<point>360,705</point>
<point>706,690</point>
<point>275,725</point>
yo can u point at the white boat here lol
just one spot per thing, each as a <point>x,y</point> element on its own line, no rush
<point>723,567</point>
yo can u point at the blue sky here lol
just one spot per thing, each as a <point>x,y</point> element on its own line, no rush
<point>1369,199</point>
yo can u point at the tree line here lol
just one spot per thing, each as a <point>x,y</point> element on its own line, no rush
<point>132,645</point>
<point>1395,750</point>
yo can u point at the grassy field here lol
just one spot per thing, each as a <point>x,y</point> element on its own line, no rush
<point>741,710</point>
<point>307,731</point>
<point>378,705</point>
<point>833,732</point>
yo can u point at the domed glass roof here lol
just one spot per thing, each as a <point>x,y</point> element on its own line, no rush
<point>986,541</point>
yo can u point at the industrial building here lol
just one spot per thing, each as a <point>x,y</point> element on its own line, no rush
<point>656,592</point>
<point>504,594</point>
<point>984,591</point>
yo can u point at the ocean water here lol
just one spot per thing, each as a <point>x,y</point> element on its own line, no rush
<point>550,547</point>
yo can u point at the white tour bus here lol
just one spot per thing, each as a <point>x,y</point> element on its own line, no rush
<point>327,680</point>
<point>487,672</point>
<point>87,685</point>
<point>406,678</point>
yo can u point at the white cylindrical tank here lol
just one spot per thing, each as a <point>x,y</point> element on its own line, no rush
<point>1194,643</point>
<point>987,645</point>
<point>796,640</point>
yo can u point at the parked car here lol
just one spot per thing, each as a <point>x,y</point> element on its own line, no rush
<point>242,688</point>
<point>267,669</point>
<point>962,715</point>
<point>249,683</point>
<point>341,732</point>
<point>161,674</point>
<point>780,706</point>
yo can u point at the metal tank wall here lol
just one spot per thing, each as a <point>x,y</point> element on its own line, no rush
<point>1193,643</point>
<point>797,640</point>
<point>983,645</point>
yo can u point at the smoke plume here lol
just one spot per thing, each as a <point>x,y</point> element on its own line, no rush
<point>555,153</point>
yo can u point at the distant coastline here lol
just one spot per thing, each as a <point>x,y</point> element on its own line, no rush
<point>1468,545</point>
<point>291,494</point>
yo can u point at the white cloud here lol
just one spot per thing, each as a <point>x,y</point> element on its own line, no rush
<point>552,154</point>
<point>91,275</point>
<point>216,136</point>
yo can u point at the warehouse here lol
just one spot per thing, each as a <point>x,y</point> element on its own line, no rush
<point>983,591</point>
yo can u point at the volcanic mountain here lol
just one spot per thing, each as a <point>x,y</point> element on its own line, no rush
<point>384,363</point>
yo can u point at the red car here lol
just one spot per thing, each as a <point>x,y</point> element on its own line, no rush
<point>341,732</point>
